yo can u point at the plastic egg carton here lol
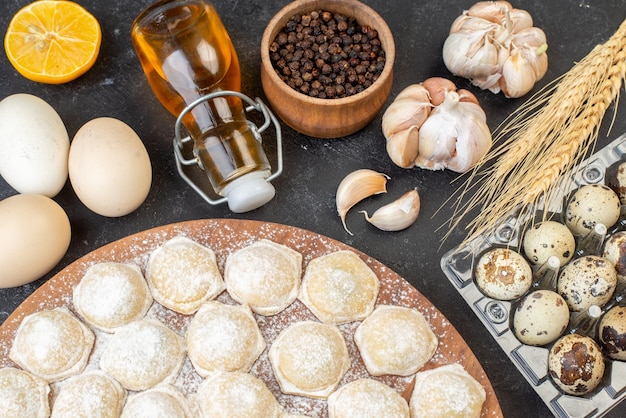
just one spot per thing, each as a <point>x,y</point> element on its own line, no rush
<point>531,361</point>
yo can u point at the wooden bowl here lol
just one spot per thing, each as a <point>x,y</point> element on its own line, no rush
<point>327,118</point>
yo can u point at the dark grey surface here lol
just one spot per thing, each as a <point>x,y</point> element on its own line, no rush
<point>305,198</point>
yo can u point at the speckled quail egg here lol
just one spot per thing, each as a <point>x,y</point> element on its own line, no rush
<point>547,238</point>
<point>591,204</point>
<point>615,252</point>
<point>616,180</point>
<point>540,318</point>
<point>503,274</point>
<point>612,333</point>
<point>576,364</point>
<point>586,281</point>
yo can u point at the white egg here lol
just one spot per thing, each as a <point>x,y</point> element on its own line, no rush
<point>586,281</point>
<point>540,318</point>
<point>576,364</point>
<point>34,145</point>
<point>109,167</point>
<point>548,238</point>
<point>503,274</point>
<point>34,236</point>
<point>589,205</point>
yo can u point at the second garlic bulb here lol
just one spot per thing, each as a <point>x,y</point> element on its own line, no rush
<point>433,125</point>
<point>497,48</point>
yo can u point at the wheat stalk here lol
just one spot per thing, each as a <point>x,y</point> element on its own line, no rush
<point>546,137</point>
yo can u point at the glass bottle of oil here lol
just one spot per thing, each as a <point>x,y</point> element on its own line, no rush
<point>186,53</point>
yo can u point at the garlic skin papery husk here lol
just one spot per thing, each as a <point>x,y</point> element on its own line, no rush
<point>397,215</point>
<point>433,125</point>
<point>497,48</point>
<point>357,186</point>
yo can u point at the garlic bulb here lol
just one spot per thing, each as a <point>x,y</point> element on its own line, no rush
<point>497,48</point>
<point>434,126</point>
<point>355,187</point>
<point>397,215</point>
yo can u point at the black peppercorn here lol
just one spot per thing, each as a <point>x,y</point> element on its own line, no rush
<point>327,55</point>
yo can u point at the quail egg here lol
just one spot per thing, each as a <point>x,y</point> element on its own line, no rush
<point>612,333</point>
<point>547,238</point>
<point>615,252</point>
<point>591,204</point>
<point>540,318</point>
<point>503,274</point>
<point>586,281</point>
<point>576,364</point>
<point>616,180</point>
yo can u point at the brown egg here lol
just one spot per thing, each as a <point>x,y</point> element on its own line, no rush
<point>576,364</point>
<point>612,333</point>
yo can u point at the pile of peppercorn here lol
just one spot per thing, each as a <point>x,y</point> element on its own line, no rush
<point>327,55</point>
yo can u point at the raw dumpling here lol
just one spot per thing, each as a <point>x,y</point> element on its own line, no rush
<point>339,288</point>
<point>112,294</point>
<point>90,394</point>
<point>142,354</point>
<point>395,340</point>
<point>183,275</point>
<point>23,395</point>
<point>223,337</point>
<point>236,395</point>
<point>367,398</point>
<point>265,275</point>
<point>52,344</point>
<point>163,401</point>
<point>309,359</point>
<point>448,392</point>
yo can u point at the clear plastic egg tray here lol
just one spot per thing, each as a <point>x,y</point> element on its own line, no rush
<point>532,361</point>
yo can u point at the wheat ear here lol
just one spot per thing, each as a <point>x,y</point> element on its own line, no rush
<point>545,138</point>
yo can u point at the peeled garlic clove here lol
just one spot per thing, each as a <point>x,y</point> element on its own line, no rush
<point>355,187</point>
<point>397,215</point>
<point>402,147</point>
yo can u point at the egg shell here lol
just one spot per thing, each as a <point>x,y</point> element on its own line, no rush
<point>548,238</point>
<point>576,364</point>
<point>591,204</point>
<point>34,236</point>
<point>34,145</point>
<point>615,252</point>
<point>503,274</point>
<point>109,167</point>
<point>616,180</point>
<point>612,333</point>
<point>540,318</point>
<point>586,281</point>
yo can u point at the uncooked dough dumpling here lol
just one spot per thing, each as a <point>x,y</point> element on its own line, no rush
<point>111,295</point>
<point>52,344</point>
<point>162,401</point>
<point>339,287</point>
<point>90,394</point>
<point>309,359</point>
<point>236,395</point>
<point>395,340</point>
<point>223,337</point>
<point>23,395</point>
<point>367,398</point>
<point>448,392</point>
<point>142,354</point>
<point>183,275</point>
<point>265,275</point>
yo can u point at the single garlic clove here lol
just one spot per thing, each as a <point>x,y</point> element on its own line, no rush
<point>404,113</point>
<point>355,187</point>
<point>493,11</point>
<point>470,55</point>
<point>518,77</point>
<point>414,91</point>
<point>402,147</point>
<point>437,88</point>
<point>520,19</point>
<point>397,215</point>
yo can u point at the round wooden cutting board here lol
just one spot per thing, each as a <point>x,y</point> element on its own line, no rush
<point>225,236</point>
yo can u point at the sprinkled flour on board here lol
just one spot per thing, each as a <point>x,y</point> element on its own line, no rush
<point>225,237</point>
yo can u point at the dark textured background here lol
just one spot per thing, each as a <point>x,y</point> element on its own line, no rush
<point>116,87</point>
